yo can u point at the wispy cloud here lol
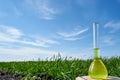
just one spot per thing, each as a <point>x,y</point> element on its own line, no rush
<point>72,38</point>
<point>72,35</point>
<point>17,11</point>
<point>13,35</point>
<point>14,43</point>
<point>26,51</point>
<point>10,31</point>
<point>115,26</point>
<point>87,3</point>
<point>80,53</point>
<point>43,8</point>
<point>25,54</point>
<point>108,41</point>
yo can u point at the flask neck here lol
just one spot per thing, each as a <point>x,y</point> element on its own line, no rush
<point>96,53</point>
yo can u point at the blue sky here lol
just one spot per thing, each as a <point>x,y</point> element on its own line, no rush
<point>32,29</point>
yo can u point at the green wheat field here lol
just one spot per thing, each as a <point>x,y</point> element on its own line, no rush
<point>58,68</point>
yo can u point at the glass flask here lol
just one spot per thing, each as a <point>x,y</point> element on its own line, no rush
<point>97,69</point>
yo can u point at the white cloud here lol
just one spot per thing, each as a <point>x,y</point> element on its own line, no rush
<point>25,54</point>
<point>47,12</point>
<point>13,35</point>
<point>109,41</point>
<point>34,43</point>
<point>45,40</point>
<point>72,35</point>
<point>17,11</point>
<point>10,31</point>
<point>14,43</point>
<point>39,42</point>
<point>115,26</point>
<point>27,51</point>
<point>72,38</point>
<point>81,53</point>
<point>87,3</point>
<point>43,8</point>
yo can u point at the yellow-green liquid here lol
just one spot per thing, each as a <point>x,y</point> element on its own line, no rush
<point>97,69</point>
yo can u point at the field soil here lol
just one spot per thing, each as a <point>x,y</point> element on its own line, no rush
<point>9,76</point>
